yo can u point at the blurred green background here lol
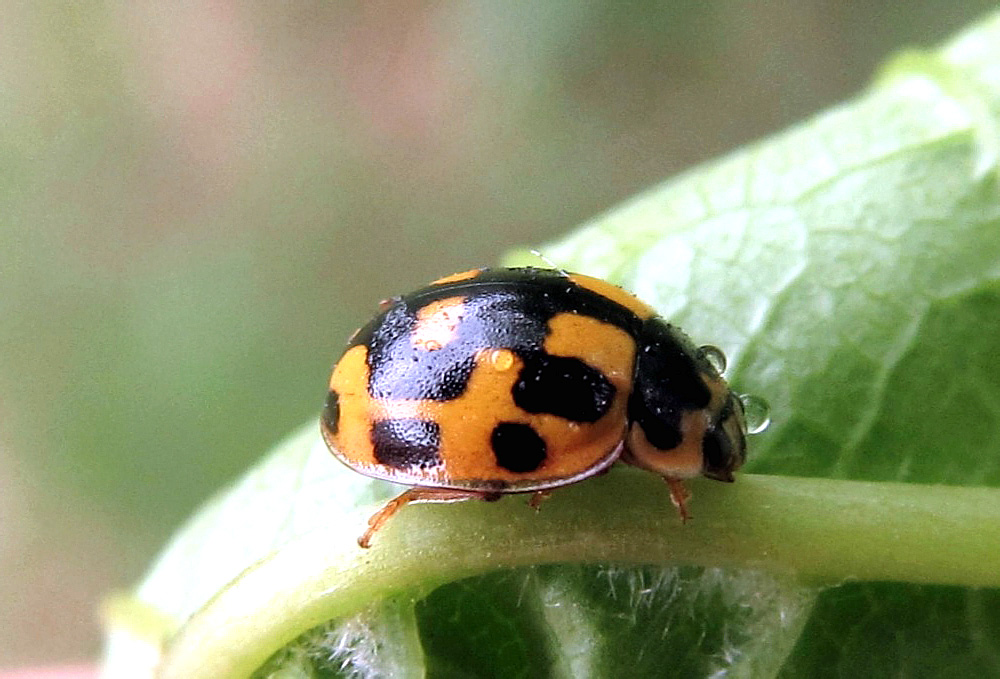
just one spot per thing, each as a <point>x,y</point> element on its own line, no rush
<point>199,202</point>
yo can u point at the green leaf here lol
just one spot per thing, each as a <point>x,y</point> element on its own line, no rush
<point>850,269</point>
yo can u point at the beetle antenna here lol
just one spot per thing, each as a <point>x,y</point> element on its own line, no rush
<point>548,261</point>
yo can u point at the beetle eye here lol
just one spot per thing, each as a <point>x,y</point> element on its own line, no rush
<point>717,450</point>
<point>724,446</point>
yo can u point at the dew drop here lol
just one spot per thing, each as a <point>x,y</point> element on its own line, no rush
<point>714,356</point>
<point>502,359</point>
<point>757,412</point>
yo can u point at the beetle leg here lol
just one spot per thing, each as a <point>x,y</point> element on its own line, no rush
<point>388,303</point>
<point>679,495</point>
<point>537,498</point>
<point>416,494</point>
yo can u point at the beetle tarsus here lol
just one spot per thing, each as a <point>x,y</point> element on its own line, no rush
<point>537,498</point>
<point>679,495</point>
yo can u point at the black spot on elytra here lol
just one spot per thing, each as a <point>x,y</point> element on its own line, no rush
<point>501,309</point>
<point>517,447</point>
<point>400,370</point>
<point>331,412</point>
<point>407,443</point>
<point>563,386</point>
<point>540,294</point>
<point>668,383</point>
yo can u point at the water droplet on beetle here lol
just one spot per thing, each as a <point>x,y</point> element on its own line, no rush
<point>501,359</point>
<point>714,356</point>
<point>756,412</point>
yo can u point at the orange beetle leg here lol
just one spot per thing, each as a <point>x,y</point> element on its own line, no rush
<point>679,495</point>
<point>416,494</point>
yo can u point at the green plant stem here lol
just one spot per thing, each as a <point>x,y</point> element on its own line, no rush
<point>814,530</point>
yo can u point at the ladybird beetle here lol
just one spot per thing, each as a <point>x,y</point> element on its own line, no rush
<point>497,381</point>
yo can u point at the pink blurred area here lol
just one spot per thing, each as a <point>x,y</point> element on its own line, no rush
<point>199,202</point>
<point>63,672</point>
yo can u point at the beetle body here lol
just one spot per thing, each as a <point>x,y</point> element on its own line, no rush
<point>501,381</point>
